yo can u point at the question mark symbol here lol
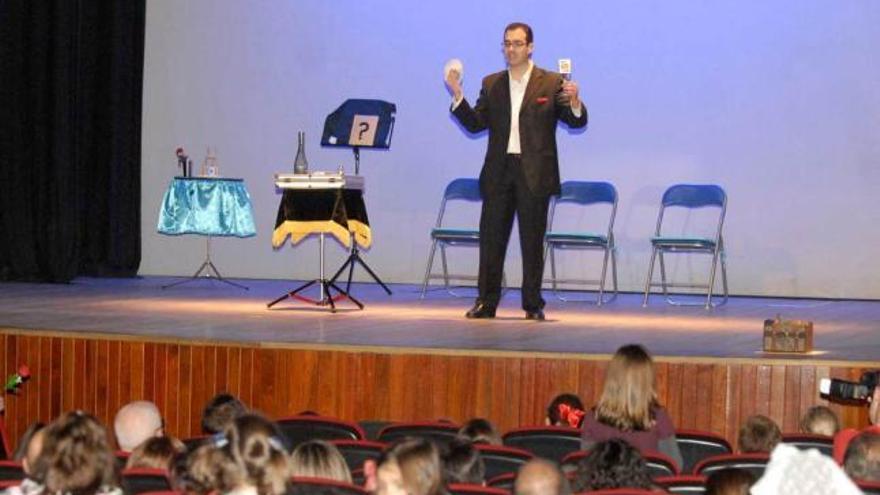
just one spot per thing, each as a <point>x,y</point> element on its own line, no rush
<point>364,128</point>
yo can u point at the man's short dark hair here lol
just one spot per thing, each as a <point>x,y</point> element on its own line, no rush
<point>220,412</point>
<point>759,434</point>
<point>862,459</point>
<point>521,25</point>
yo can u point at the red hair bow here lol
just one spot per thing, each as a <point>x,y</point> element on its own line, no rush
<point>570,415</point>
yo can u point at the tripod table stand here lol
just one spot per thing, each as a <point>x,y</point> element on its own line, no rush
<point>321,203</point>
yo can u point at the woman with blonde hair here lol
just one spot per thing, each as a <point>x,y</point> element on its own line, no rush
<point>319,459</point>
<point>410,467</point>
<point>628,407</point>
<point>249,459</point>
<point>76,458</point>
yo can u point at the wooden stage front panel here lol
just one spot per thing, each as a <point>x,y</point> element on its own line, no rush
<point>101,373</point>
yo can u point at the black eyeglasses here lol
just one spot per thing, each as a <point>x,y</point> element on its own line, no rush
<point>513,44</point>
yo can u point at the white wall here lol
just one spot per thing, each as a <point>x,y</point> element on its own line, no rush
<point>776,101</point>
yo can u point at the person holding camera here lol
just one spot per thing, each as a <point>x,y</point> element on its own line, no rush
<point>845,436</point>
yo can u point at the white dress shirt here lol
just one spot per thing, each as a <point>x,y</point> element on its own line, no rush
<point>517,92</point>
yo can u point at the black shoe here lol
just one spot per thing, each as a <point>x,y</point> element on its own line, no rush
<point>537,314</point>
<point>481,310</point>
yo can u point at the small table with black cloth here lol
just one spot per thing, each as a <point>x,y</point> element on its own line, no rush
<point>339,211</point>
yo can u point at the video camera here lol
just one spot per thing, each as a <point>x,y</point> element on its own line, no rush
<point>860,391</point>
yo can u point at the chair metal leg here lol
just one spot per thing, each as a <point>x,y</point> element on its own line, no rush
<point>614,270</point>
<point>428,268</point>
<point>724,273</point>
<point>711,287</point>
<point>663,275</point>
<point>650,275</point>
<point>445,267</point>
<point>725,294</point>
<point>597,286</point>
<point>602,278</point>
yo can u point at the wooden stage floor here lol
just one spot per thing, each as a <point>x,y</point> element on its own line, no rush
<point>211,311</point>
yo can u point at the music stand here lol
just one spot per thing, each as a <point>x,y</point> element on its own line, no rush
<point>359,124</point>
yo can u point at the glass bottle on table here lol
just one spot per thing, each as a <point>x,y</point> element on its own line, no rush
<point>209,166</point>
<point>300,164</point>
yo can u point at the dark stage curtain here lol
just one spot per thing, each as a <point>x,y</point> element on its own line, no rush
<point>71,84</point>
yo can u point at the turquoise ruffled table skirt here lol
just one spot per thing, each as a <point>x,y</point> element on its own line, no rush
<point>207,206</point>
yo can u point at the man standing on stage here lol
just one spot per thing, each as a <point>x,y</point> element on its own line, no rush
<point>520,106</point>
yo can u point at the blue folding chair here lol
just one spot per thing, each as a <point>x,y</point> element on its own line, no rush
<point>583,194</point>
<point>461,189</point>
<point>690,197</point>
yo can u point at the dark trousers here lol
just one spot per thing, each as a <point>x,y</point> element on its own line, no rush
<point>511,195</point>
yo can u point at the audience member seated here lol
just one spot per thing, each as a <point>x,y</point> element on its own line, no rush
<point>541,477</point>
<point>207,469</point>
<point>792,471</point>
<point>820,420</point>
<point>462,463</point>
<point>155,453</point>
<point>135,423</point>
<point>250,460</point>
<point>729,481</point>
<point>628,407</point>
<point>862,459</point>
<point>257,446</point>
<point>612,464</point>
<point>319,459</point>
<point>29,449</point>
<point>220,412</point>
<point>480,430</point>
<point>75,458</point>
<point>410,467</point>
<point>565,410</point>
<point>842,439</point>
<point>759,434</point>
<point>23,451</point>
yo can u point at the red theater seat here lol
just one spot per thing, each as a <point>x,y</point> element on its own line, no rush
<point>620,491</point>
<point>356,452</point>
<point>869,487</point>
<point>696,445</point>
<point>11,470</point>
<point>504,481</point>
<point>501,460</point>
<point>438,431</point>
<point>683,484</point>
<point>548,442</point>
<point>302,428</point>
<point>753,463</point>
<point>470,489</point>
<point>5,450</point>
<point>142,480</point>
<point>806,441</point>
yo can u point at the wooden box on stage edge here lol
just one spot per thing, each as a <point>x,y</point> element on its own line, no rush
<point>788,335</point>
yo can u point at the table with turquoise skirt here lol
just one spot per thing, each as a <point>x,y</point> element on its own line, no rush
<point>208,206</point>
